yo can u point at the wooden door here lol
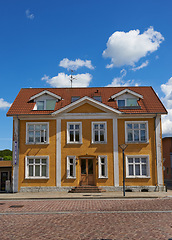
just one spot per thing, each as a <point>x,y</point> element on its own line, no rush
<point>87,171</point>
<point>4,177</point>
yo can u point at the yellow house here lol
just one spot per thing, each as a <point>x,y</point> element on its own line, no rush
<point>67,137</point>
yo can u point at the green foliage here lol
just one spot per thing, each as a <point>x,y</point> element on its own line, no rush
<point>6,154</point>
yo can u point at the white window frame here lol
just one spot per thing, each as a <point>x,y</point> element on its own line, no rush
<point>100,166</point>
<point>36,123</point>
<point>27,167</point>
<point>105,133</point>
<point>146,132</point>
<point>147,166</point>
<point>68,167</point>
<point>80,133</point>
<point>126,99</point>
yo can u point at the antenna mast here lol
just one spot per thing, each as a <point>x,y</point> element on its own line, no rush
<point>71,78</point>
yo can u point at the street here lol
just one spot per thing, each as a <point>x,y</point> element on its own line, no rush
<point>86,219</point>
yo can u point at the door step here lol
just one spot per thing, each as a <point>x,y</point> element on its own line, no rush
<point>86,189</point>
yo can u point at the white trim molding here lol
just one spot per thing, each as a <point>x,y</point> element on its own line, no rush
<point>58,152</point>
<point>46,133</point>
<point>158,139</point>
<point>99,130</point>
<point>133,129</point>
<point>45,92</point>
<point>74,130</point>
<point>34,164</point>
<point>115,152</point>
<point>127,91</point>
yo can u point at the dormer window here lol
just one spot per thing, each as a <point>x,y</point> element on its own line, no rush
<point>48,104</point>
<point>129,102</point>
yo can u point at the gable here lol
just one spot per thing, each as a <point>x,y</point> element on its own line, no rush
<point>86,108</point>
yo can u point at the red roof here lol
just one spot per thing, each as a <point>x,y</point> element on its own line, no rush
<point>149,104</point>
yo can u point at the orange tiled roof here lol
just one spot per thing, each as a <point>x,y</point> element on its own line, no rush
<point>149,104</point>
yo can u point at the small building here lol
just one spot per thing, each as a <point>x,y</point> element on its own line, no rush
<point>67,137</point>
<point>5,175</point>
<point>167,157</point>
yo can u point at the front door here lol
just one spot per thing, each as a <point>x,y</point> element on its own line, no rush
<point>4,177</point>
<point>87,171</point>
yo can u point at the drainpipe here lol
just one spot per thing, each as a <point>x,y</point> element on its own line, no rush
<point>155,151</point>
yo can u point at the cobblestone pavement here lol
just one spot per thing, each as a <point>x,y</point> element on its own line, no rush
<point>86,219</point>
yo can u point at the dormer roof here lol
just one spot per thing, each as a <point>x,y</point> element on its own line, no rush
<point>126,91</point>
<point>44,92</point>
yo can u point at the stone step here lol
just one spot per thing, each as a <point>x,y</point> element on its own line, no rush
<point>86,189</point>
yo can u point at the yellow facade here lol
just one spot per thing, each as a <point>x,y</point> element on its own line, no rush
<point>86,149</point>
<point>37,150</point>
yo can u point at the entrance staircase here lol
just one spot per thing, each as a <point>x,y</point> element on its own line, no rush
<point>86,189</point>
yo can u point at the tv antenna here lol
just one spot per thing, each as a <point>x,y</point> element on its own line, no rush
<point>71,77</point>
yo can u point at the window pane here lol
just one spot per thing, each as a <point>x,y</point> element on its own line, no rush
<point>144,170</point>
<point>37,136</point>
<point>31,127</point>
<point>142,125</point>
<point>40,105</point>
<point>71,160</point>
<point>131,172</point>
<point>37,170</point>
<point>130,160</point>
<point>143,160</point>
<point>71,126</point>
<point>130,136</point>
<point>129,126</point>
<point>102,136</point>
<point>136,135</point>
<point>137,169</point>
<point>50,104</point>
<point>42,136</point>
<point>136,126</point>
<point>132,102</point>
<point>31,137</point>
<point>43,170</point>
<point>77,136</point>
<point>37,161</point>
<point>96,136</point>
<point>143,135</point>
<point>83,166</point>
<point>31,171</point>
<point>30,161</point>
<point>44,127</point>
<point>103,170</point>
<point>71,133</point>
<point>102,160</point>
<point>121,103</point>
<point>77,126</point>
<point>44,161</point>
<point>102,126</point>
<point>137,160</point>
<point>71,171</point>
<point>37,127</point>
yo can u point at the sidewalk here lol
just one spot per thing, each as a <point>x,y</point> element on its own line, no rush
<point>65,195</point>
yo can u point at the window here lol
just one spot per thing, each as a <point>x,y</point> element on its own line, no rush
<point>36,167</point>
<point>48,104</point>
<point>71,167</point>
<point>102,165</point>
<point>128,102</point>
<point>37,133</point>
<point>98,98</point>
<point>136,132</point>
<point>99,132</point>
<point>137,166</point>
<point>74,132</point>
<point>74,98</point>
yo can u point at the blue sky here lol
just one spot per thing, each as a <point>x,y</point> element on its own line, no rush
<point>106,42</point>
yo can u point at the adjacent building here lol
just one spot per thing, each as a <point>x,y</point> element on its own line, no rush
<point>167,157</point>
<point>66,137</point>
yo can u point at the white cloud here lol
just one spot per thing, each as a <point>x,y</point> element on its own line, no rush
<point>63,80</point>
<point>118,81</point>
<point>167,100</point>
<point>74,65</point>
<point>4,104</point>
<point>141,66</point>
<point>127,48</point>
<point>29,14</point>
